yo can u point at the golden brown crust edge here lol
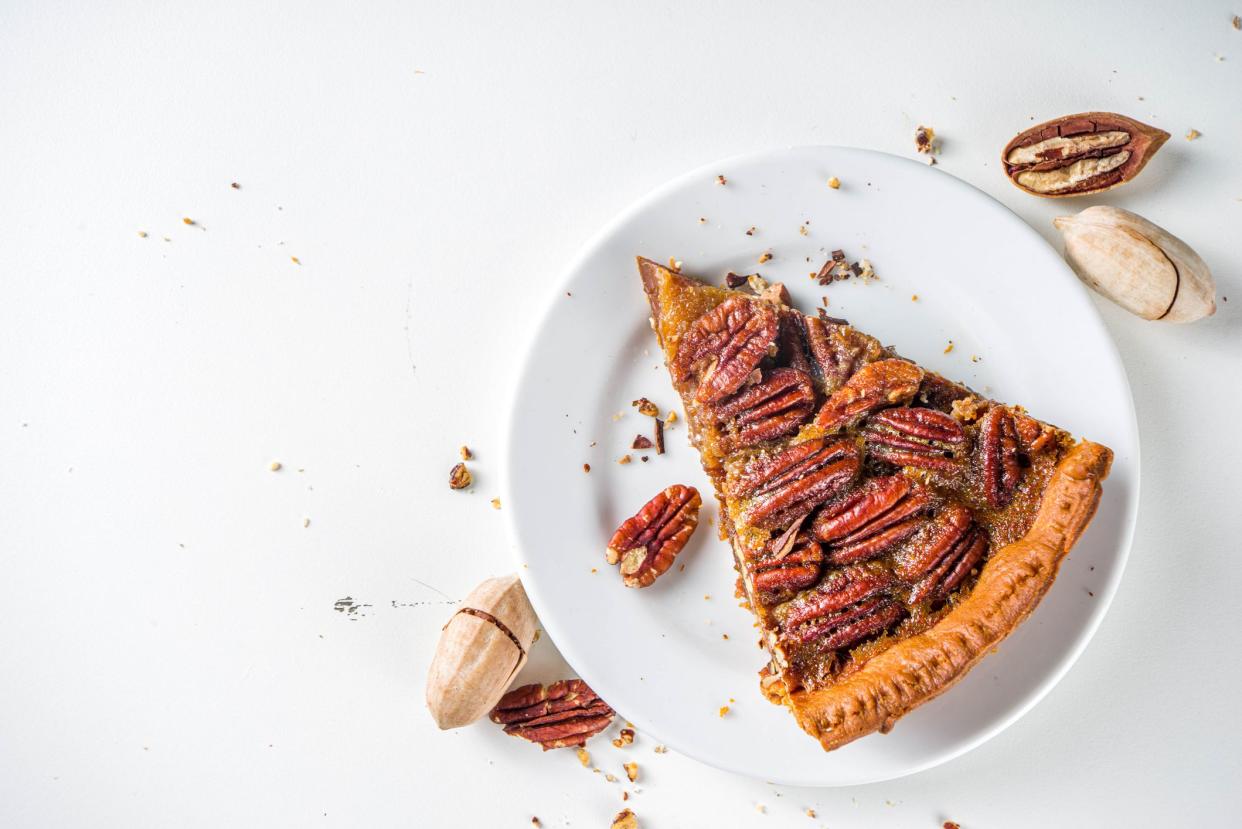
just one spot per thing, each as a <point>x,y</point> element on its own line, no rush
<point>1010,586</point>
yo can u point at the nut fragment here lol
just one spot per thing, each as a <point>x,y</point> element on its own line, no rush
<point>565,713</point>
<point>646,543</point>
<point>626,819</point>
<point>1077,154</point>
<point>925,140</point>
<point>1140,266</point>
<point>726,344</point>
<point>646,407</point>
<point>631,771</point>
<point>481,649</point>
<point>460,477</point>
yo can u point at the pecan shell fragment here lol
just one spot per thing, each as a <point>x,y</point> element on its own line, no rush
<point>873,387</point>
<point>565,713</point>
<point>872,520</point>
<point>923,438</point>
<point>786,486</point>
<point>646,543</point>
<point>725,345</point>
<point>1078,154</point>
<point>774,407</point>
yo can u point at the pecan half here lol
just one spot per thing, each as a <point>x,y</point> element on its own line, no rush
<point>646,543</point>
<point>1076,154</point>
<point>846,608</point>
<point>774,407</point>
<point>837,349</point>
<point>873,519</point>
<point>565,713</point>
<point>943,556</point>
<point>873,387</point>
<point>924,438</point>
<point>729,340</point>
<point>783,487</point>
<point>787,564</point>
<point>1001,461</point>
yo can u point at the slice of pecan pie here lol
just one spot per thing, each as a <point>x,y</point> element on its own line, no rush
<point>889,525</point>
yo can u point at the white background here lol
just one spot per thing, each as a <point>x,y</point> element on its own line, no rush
<point>170,654</point>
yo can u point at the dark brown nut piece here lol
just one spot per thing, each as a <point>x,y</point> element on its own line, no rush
<point>837,349</point>
<point>1078,154</point>
<point>873,519</point>
<point>942,557</point>
<point>565,713</point>
<point>646,407</point>
<point>786,486</point>
<point>1001,461</point>
<point>922,438</point>
<point>647,543</point>
<point>460,477</point>
<point>774,407</point>
<point>786,564</point>
<point>729,341</point>
<point>846,608</point>
<point>791,341</point>
<point>873,387</point>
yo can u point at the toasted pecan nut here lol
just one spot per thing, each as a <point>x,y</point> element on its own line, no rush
<point>725,345</point>
<point>873,519</point>
<point>774,407</point>
<point>837,350</point>
<point>1001,461</point>
<point>783,487</point>
<point>786,564</point>
<point>943,555</point>
<point>923,438</point>
<point>565,713</point>
<point>1078,154</point>
<point>847,607</point>
<point>646,543</point>
<point>873,387</point>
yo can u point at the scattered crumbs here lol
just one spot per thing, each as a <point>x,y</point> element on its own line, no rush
<point>495,503</point>
<point>724,709</point>
<point>625,737</point>
<point>731,699</point>
<point>460,478</point>
<point>536,822</point>
<point>586,467</point>
<point>914,297</point>
<point>569,293</point>
<point>1089,593</point>
<point>584,757</point>
<point>766,256</point>
<point>810,813</point>
<point>615,418</point>
<point>834,183</point>
<point>625,795</point>
<point>724,636</point>
<point>1236,22</point>
<point>187,220</point>
<point>702,220</point>
<point>672,417</point>
<point>465,453</point>
<point>721,180</point>
<point>305,523</point>
<point>661,749</point>
<point>948,824</point>
<point>274,466</point>
<point>166,239</point>
<point>594,571</point>
<point>974,358</point>
<point>761,809</point>
<point>707,597</point>
<point>631,771</point>
<point>1192,134</point>
<point>802,229</point>
<point>610,777</point>
<point>142,234</point>
<point>948,347</point>
<point>235,185</point>
<point>594,443</point>
<point>295,260</point>
<point>641,442</point>
<point>646,407</point>
<point>681,568</point>
<point>644,458</point>
<point>750,231</point>
<point>925,140</point>
<point>624,459</point>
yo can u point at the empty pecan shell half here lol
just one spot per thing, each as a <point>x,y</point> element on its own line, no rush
<point>873,519</point>
<point>565,713</point>
<point>1076,154</point>
<point>847,607</point>
<point>789,484</point>
<point>944,554</point>
<point>873,387</point>
<point>1001,460</point>
<point>923,438</point>
<point>727,344</point>
<point>646,543</point>
<point>774,407</point>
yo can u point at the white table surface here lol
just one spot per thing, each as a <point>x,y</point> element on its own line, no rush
<point>170,653</point>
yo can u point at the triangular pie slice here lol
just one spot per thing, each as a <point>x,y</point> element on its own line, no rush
<point>889,526</point>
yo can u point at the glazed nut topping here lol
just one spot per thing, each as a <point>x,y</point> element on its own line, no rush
<point>1001,460</point>
<point>783,487</point>
<point>646,544</point>
<point>873,387</point>
<point>565,713</point>
<point>922,438</point>
<point>724,346</point>
<point>873,519</point>
<point>773,407</point>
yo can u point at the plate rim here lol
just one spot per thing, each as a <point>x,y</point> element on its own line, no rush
<point>1109,590</point>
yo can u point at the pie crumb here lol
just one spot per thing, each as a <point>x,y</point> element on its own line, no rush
<point>624,459</point>
<point>631,771</point>
<point>1192,134</point>
<point>810,813</point>
<point>584,757</point>
<point>586,467</point>
<point>465,453</point>
<point>834,183</point>
<point>495,503</point>
<point>766,256</point>
<point>948,347</point>
<point>724,709</point>
<point>661,749</point>
<point>914,297</point>
<point>721,180</point>
<point>275,466</point>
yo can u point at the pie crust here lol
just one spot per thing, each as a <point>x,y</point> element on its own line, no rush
<point>917,667</point>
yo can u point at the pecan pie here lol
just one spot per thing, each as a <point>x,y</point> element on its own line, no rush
<point>889,526</point>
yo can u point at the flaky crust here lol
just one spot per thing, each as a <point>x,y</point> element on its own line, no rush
<point>1010,585</point>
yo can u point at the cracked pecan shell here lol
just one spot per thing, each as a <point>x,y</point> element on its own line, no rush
<point>1077,154</point>
<point>873,387</point>
<point>1001,459</point>
<point>783,487</point>
<point>725,345</point>
<point>918,437</point>
<point>873,519</point>
<point>565,713</point>
<point>774,407</point>
<point>847,607</point>
<point>646,543</point>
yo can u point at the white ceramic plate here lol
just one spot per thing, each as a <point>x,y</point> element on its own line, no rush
<point>985,281</point>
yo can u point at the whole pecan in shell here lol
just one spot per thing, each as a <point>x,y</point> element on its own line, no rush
<point>1077,154</point>
<point>774,407</point>
<point>846,608</point>
<point>873,519</point>
<point>1001,460</point>
<point>646,543</point>
<point>783,487</point>
<point>565,713</point>
<point>923,438</point>
<point>873,387</point>
<point>730,340</point>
